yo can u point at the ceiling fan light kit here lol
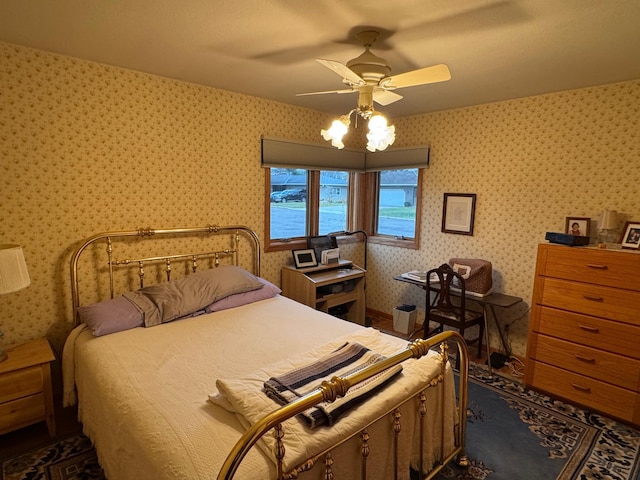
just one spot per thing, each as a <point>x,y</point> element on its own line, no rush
<point>369,75</point>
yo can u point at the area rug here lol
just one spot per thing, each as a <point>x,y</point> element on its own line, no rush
<point>71,458</point>
<point>512,434</point>
<point>516,433</point>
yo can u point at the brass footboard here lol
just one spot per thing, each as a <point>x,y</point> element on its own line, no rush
<point>337,387</point>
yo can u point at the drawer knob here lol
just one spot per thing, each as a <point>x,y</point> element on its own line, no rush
<point>593,299</point>
<point>589,328</point>
<point>585,359</point>
<point>597,266</point>
<point>581,388</point>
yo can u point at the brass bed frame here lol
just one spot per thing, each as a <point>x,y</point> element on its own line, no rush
<point>231,238</point>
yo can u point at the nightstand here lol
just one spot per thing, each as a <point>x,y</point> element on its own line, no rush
<point>25,387</point>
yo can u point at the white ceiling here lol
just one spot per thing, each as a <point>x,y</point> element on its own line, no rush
<point>495,49</point>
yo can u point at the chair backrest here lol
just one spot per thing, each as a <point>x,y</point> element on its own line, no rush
<point>446,278</point>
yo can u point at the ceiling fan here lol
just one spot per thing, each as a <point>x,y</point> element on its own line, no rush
<point>370,76</point>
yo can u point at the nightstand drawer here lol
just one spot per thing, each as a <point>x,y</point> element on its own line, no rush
<point>20,383</point>
<point>22,412</point>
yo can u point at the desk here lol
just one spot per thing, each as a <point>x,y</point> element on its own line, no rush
<point>488,303</point>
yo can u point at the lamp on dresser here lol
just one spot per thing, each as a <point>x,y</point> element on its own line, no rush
<point>14,275</point>
<point>608,225</point>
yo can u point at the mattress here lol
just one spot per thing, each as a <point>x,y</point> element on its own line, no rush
<point>143,394</point>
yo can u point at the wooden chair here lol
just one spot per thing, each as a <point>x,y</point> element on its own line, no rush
<point>444,311</point>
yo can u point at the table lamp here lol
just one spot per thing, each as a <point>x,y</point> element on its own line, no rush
<point>608,224</point>
<point>14,275</point>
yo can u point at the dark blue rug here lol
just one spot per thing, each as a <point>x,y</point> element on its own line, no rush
<point>514,433</point>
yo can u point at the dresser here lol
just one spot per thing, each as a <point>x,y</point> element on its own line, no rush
<point>336,288</point>
<point>584,332</point>
<point>25,387</point>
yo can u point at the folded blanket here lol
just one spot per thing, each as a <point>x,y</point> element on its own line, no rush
<point>348,359</point>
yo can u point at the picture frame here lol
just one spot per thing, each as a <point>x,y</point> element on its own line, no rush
<point>304,258</point>
<point>458,213</point>
<point>631,235</point>
<point>578,226</point>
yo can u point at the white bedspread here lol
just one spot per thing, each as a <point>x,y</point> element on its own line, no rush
<point>143,394</point>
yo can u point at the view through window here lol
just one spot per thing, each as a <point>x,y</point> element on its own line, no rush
<point>397,198</point>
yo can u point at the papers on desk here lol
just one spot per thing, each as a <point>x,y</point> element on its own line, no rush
<point>416,275</point>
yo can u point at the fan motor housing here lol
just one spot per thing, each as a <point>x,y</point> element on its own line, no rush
<point>370,67</point>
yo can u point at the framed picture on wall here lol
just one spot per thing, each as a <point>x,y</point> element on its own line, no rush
<point>304,258</point>
<point>579,226</point>
<point>631,235</point>
<point>458,212</point>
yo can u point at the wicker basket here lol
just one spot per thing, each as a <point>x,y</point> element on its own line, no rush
<point>476,274</point>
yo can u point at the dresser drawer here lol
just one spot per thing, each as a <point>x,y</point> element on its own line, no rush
<point>604,302</point>
<point>594,332</point>
<point>608,367</point>
<point>600,267</point>
<point>615,401</point>
<point>20,383</point>
<point>22,412</point>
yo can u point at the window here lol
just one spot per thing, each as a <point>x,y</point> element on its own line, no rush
<point>394,214</point>
<point>302,203</point>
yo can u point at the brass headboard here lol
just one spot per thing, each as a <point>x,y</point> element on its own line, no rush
<point>214,254</point>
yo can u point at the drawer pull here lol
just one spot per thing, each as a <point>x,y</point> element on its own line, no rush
<point>597,266</point>
<point>589,329</point>
<point>585,359</point>
<point>593,299</point>
<point>581,388</point>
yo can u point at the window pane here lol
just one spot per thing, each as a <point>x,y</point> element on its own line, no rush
<point>288,203</point>
<point>334,189</point>
<point>397,203</point>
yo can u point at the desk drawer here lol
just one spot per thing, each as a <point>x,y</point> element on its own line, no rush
<point>615,401</point>
<point>604,302</point>
<point>608,367</point>
<point>609,268</point>
<point>594,332</point>
<point>21,412</point>
<point>20,383</point>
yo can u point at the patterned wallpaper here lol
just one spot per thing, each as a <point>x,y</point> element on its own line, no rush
<point>86,148</point>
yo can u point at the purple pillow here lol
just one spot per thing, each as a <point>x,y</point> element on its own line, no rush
<point>110,316</point>
<point>269,290</point>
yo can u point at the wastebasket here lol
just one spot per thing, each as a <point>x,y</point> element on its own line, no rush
<point>404,318</point>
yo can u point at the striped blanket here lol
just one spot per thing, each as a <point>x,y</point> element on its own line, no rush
<point>348,359</point>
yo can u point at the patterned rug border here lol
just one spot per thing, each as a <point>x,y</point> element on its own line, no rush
<point>602,462</point>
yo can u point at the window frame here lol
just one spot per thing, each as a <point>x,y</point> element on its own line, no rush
<point>362,211</point>
<point>313,212</point>
<point>372,184</point>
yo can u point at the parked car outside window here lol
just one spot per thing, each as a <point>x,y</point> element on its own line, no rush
<point>290,195</point>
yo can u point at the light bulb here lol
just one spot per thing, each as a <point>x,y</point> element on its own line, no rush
<point>336,131</point>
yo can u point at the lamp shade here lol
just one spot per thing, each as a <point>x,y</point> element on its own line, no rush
<point>609,220</point>
<point>14,275</point>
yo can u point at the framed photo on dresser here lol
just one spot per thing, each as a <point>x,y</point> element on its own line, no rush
<point>631,235</point>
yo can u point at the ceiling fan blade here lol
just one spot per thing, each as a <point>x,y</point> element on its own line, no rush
<point>342,70</point>
<point>385,97</point>
<point>346,90</point>
<point>433,74</point>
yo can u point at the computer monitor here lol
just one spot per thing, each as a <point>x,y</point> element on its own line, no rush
<point>321,243</point>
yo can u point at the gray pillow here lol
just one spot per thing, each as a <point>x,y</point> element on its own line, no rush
<point>165,302</point>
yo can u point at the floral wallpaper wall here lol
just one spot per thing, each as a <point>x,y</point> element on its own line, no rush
<point>86,148</point>
<point>531,162</point>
